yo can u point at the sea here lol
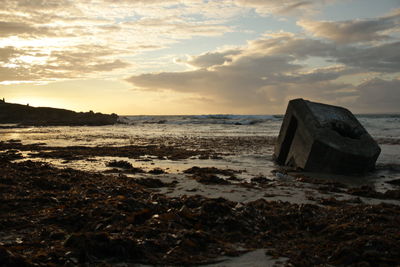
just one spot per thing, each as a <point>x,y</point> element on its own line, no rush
<point>244,143</point>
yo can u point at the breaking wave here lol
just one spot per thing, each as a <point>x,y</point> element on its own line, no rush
<point>202,119</point>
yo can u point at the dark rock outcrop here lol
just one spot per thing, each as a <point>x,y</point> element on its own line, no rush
<point>38,116</point>
<point>323,138</point>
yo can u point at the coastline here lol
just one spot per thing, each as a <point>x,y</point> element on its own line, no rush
<point>26,115</point>
<point>199,213</point>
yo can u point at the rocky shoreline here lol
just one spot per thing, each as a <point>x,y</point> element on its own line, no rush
<point>44,116</point>
<point>61,216</point>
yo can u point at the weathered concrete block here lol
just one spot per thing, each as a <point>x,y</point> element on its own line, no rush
<point>323,138</point>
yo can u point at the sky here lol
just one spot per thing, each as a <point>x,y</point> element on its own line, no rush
<point>165,57</point>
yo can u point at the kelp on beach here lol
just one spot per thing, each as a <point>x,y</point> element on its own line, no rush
<point>51,216</point>
<point>187,194</point>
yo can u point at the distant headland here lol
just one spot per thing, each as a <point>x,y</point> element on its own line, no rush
<point>43,116</point>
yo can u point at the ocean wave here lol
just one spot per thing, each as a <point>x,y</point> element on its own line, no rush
<point>388,141</point>
<point>225,119</point>
<point>378,116</point>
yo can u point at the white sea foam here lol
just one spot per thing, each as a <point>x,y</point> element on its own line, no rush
<point>201,119</point>
<point>384,128</point>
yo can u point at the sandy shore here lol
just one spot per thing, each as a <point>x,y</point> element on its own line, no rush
<point>193,212</point>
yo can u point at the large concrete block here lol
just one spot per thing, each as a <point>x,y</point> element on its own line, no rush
<point>323,138</point>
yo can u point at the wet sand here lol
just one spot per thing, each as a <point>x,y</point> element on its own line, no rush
<point>177,203</point>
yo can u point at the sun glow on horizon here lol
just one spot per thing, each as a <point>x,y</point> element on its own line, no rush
<point>200,57</point>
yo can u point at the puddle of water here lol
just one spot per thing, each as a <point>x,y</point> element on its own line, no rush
<point>256,258</point>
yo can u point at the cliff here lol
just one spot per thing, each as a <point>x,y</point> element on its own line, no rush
<point>27,115</point>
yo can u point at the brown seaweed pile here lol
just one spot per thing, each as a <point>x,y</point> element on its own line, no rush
<point>209,175</point>
<point>131,151</point>
<point>52,217</point>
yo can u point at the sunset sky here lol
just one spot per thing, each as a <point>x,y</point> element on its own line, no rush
<point>200,57</point>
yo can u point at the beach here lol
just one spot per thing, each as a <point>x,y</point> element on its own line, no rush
<point>187,190</point>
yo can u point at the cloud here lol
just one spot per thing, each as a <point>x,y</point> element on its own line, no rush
<point>272,70</point>
<point>380,95</point>
<point>49,40</point>
<point>383,58</point>
<point>242,77</point>
<point>6,53</point>
<point>56,35</point>
<point>290,44</point>
<point>286,7</point>
<point>172,28</point>
<point>240,83</point>
<point>31,65</point>
<point>210,59</point>
<point>16,74</point>
<point>323,74</point>
<point>109,66</point>
<point>354,31</point>
<point>19,28</point>
<point>37,4</point>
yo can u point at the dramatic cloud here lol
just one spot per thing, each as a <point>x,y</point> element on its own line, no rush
<point>60,39</point>
<point>245,76</point>
<point>273,70</point>
<point>353,31</point>
<point>239,83</point>
<point>48,40</point>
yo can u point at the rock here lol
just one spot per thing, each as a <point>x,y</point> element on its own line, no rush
<point>11,260</point>
<point>157,171</point>
<point>344,255</point>
<point>210,179</point>
<point>211,170</point>
<point>365,191</point>
<point>323,138</point>
<point>259,180</point>
<point>101,245</point>
<point>27,115</point>
<point>120,164</point>
<point>392,194</point>
<point>11,155</point>
<point>394,182</point>
<point>209,175</point>
<point>151,182</point>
